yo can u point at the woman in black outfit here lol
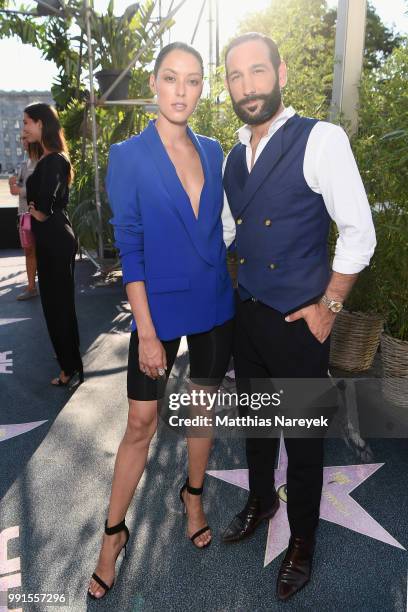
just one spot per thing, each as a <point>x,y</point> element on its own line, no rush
<point>56,245</point>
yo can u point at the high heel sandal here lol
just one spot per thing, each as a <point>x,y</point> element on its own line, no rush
<point>194,491</point>
<point>110,531</point>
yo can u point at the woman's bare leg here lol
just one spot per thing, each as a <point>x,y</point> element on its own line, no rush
<point>199,448</point>
<point>198,453</point>
<point>31,267</point>
<point>129,466</point>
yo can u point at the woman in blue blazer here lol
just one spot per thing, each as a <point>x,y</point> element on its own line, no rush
<point>165,191</point>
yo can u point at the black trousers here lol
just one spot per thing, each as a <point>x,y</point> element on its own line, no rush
<point>56,247</point>
<point>266,346</point>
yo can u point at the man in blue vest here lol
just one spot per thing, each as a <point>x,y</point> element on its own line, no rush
<point>285,180</point>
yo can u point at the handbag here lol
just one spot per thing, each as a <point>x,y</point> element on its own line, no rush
<point>25,231</point>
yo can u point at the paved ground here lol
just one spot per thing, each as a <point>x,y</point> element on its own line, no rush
<point>6,199</point>
<point>57,451</point>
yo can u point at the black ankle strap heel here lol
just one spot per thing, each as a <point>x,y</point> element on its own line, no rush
<point>110,531</point>
<point>117,529</point>
<point>194,491</point>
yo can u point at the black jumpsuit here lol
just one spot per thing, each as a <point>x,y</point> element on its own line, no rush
<point>56,247</point>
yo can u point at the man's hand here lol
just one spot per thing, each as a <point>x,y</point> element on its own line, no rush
<point>319,319</point>
<point>152,357</point>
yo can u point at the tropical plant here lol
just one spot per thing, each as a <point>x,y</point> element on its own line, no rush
<point>52,37</point>
<point>115,40</point>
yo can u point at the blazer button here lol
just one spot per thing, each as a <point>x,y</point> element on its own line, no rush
<point>272,266</point>
<point>268,222</point>
<point>239,221</point>
<point>242,260</point>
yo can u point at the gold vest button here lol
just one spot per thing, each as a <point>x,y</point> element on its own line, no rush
<point>272,266</point>
<point>239,221</point>
<point>242,260</point>
<point>268,222</point>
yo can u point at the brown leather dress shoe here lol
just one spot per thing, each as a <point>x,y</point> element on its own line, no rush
<point>296,567</point>
<point>245,523</point>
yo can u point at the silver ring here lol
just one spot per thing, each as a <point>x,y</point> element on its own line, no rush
<point>161,371</point>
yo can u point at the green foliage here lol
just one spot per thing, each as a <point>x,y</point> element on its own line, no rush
<point>381,145</point>
<point>113,125</point>
<point>381,149</point>
<point>115,40</point>
<point>52,37</point>
<point>305,33</point>
<point>380,41</point>
<point>215,117</point>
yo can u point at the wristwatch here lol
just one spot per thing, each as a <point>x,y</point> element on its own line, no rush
<point>332,305</point>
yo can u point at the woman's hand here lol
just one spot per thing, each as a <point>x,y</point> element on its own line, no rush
<point>152,357</point>
<point>37,214</point>
<point>14,188</point>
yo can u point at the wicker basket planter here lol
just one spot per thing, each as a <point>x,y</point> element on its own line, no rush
<point>394,355</point>
<point>354,340</point>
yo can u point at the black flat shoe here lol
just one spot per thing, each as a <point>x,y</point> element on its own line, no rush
<point>110,531</point>
<point>69,383</point>
<point>244,524</point>
<point>194,491</point>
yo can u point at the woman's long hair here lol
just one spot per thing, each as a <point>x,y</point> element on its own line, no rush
<point>34,150</point>
<point>52,137</point>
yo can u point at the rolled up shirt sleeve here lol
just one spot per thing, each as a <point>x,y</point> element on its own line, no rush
<point>338,180</point>
<point>126,220</point>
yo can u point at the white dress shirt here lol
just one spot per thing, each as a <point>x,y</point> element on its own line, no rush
<point>330,169</point>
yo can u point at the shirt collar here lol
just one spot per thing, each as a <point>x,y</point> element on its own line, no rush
<point>245,132</point>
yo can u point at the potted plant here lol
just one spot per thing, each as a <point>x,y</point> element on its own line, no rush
<point>116,40</point>
<point>44,11</point>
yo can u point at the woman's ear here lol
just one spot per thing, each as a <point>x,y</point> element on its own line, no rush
<point>152,83</point>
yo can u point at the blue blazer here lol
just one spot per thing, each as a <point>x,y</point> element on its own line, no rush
<point>181,259</point>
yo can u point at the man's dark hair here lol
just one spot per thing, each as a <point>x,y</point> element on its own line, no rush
<point>176,46</point>
<point>271,44</point>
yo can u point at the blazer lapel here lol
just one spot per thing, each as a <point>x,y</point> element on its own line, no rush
<point>178,198</point>
<point>240,167</point>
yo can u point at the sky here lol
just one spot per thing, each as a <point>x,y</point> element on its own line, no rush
<point>22,67</point>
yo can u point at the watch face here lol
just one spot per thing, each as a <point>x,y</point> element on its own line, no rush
<point>336,306</point>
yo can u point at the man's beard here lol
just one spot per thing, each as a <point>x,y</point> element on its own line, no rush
<point>270,107</point>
